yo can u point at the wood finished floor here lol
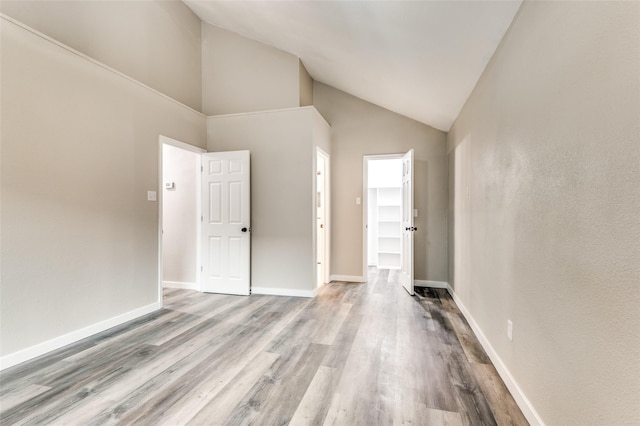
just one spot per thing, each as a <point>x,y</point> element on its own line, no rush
<point>358,354</point>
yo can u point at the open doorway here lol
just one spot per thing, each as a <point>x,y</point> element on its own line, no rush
<point>322,217</point>
<point>383,180</point>
<point>388,215</point>
<point>204,209</point>
<point>179,214</point>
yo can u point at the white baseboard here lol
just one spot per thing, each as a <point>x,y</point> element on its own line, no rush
<point>348,278</point>
<point>523,402</point>
<point>283,292</point>
<point>432,284</point>
<point>176,284</point>
<point>66,339</point>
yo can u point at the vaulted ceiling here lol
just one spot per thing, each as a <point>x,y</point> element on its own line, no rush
<point>420,59</point>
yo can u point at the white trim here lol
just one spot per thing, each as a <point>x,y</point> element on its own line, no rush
<point>523,402</point>
<point>176,284</point>
<point>266,111</point>
<point>182,145</point>
<point>160,199</point>
<point>74,336</point>
<point>199,223</point>
<point>347,278</point>
<point>432,284</point>
<point>283,292</point>
<point>100,64</point>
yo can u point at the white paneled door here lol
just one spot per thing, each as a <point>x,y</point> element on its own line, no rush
<point>226,227</point>
<point>406,271</point>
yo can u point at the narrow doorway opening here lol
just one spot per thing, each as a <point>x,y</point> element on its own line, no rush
<point>383,189</point>
<point>179,215</point>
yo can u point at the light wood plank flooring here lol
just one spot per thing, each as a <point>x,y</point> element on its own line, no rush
<point>358,354</point>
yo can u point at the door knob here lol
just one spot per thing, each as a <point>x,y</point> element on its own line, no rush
<point>246,229</point>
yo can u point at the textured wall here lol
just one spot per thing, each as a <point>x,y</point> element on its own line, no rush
<point>359,128</point>
<point>154,42</point>
<point>79,153</point>
<point>242,75</point>
<point>306,87</point>
<point>546,178</point>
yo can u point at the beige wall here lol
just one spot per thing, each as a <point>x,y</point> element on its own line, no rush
<point>321,135</point>
<point>547,191</point>
<point>306,86</point>
<point>282,193</point>
<point>154,42</point>
<point>358,129</point>
<point>243,75</point>
<point>79,153</point>
<point>180,216</point>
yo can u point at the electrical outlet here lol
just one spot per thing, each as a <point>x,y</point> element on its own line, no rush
<point>510,330</point>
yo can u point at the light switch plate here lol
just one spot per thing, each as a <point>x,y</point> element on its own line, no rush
<point>151,196</point>
<point>358,201</point>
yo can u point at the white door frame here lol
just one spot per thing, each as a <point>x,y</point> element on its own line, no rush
<point>178,144</point>
<point>365,206</point>
<point>327,215</point>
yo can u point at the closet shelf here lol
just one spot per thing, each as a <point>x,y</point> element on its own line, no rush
<point>388,225</point>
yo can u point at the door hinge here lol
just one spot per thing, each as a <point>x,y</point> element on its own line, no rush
<point>201,219</point>
<point>201,169</point>
<point>201,268</point>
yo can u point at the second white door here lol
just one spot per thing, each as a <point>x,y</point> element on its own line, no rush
<point>226,227</point>
<point>406,271</point>
<point>322,184</point>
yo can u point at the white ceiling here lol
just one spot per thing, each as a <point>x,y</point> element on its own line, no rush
<point>420,59</point>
